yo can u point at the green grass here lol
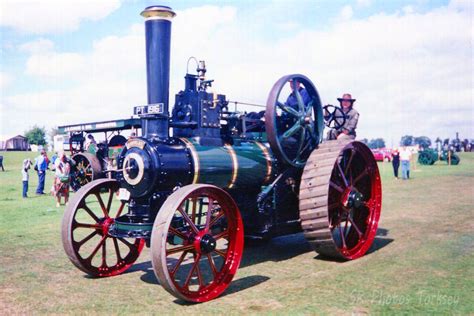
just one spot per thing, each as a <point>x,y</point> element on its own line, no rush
<point>421,262</point>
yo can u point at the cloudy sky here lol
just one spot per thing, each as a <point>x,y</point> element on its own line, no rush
<point>408,63</point>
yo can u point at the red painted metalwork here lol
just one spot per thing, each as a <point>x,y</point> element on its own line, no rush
<point>81,214</point>
<point>197,259</point>
<point>355,175</point>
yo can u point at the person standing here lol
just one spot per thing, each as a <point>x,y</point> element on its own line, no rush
<point>25,176</point>
<point>41,165</point>
<point>395,162</point>
<point>62,179</point>
<point>348,130</point>
<point>405,156</point>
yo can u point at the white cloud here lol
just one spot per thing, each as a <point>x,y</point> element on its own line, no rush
<point>411,73</point>
<point>40,45</point>
<point>408,9</point>
<point>346,12</point>
<point>5,80</point>
<point>364,3</point>
<point>52,16</point>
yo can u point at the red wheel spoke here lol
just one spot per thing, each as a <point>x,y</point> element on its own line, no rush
<point>199,275</point>
<point>193,210</point>
<point>90,212</point>
<point>343,239</point>
<point>178,264</point>
<point>342,174</point>
<point>349,162</point>
<point>335,186</point>
<point>86,239</point>
<point>355,227</point>
<point>222,234</point>
<point>216,218</point>
<point>117,249</point>
<point>188,220</point>
<point>208,214</point>
<point>94,252</point>
<point>190,275</point>
<point>360,176</point>
<point>178,233</point>
<point>211,263</point>
<point>119,212</point>
<point>104,253</point>
<point>334,205</point>
<point>83,225</point>
<point>345,226</point>
<point>179,249</point>
<point>129,245</point>
<point>220,253</point>
<point>109,202</point>
<point>102,205</point>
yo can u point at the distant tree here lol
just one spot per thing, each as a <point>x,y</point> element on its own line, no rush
<point>376,143</point>
<point>423,141</point>
<point>446,141</point>
<point>365,141</point>
<point>407,140</point>
<point>53,132</point>
<point>36,135</point>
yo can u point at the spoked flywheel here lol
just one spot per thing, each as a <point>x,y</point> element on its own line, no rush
<point>293,119</point>
<point>340,199</point>
<point>197,242</point>
<point>85,231</point>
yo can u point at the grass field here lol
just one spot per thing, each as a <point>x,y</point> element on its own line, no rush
<point>422,260</point>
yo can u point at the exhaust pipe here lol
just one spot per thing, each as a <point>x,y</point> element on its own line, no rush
<point>158,39</point>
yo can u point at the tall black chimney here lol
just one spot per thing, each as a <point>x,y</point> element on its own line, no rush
<point>158,38</point>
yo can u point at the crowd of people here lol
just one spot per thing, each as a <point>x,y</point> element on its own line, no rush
<point>61,167</point>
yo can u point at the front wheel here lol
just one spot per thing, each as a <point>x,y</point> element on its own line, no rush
<point>85,231</point>
<point>197,242</point>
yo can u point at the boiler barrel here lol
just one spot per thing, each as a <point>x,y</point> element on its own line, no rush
<point>247,165</point>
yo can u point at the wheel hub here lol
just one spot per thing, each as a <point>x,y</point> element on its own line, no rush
<point>106,225</point>
<point>207,244</point>
<point>352,198</point>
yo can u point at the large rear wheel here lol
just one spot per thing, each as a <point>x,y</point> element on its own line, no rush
<point>197,242</point>
<point>340,199</point>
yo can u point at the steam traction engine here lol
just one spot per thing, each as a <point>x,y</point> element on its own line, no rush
<point>193,196</point>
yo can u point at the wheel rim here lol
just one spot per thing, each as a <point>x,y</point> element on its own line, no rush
<point>85,231</point>
<point>196,253</point>
<point>293,130</point>
<point>354,200</point>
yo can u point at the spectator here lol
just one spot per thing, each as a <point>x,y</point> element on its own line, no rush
<point>41,165</point>
<point>405,156</point>
<point>395,162</point>
<point>53,161</point>
<point>25,176</point>
<point>62,179</point>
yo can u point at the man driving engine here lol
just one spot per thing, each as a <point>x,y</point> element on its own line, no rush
<point>352,116</point>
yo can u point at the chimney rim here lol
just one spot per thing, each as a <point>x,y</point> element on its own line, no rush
<point>158,11</point>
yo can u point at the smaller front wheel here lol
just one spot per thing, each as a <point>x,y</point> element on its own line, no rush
<point>85,231</point>
<point>197,242</point>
